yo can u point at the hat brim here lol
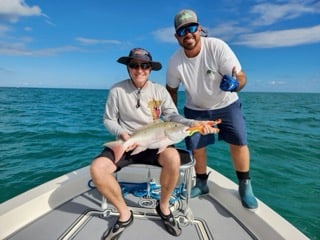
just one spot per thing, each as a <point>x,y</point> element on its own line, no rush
<point>185,24</point>
<point>154,65</point>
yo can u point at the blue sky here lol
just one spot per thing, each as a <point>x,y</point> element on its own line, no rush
<point>75,43</point>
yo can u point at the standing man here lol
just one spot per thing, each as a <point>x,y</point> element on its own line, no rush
<point>211,76</point>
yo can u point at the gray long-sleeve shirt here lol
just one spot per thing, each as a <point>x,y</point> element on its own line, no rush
<point>123,115</point>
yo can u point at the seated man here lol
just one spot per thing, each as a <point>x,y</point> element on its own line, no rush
<point>131,104</point>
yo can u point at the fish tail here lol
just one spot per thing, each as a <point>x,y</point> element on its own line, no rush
<point>117,148</point>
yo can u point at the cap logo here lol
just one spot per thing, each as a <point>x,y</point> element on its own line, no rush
<point>185,16</point>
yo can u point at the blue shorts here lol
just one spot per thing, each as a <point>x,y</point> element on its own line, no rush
<point>232,129</point>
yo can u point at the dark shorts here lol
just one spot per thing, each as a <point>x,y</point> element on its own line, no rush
<point>232,129</point>
<point>149,157</point>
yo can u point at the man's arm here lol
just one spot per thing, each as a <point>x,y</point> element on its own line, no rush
<point>173,93</point>
<point>242,79</point>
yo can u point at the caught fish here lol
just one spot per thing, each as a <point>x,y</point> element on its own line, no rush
<point>157,135</point>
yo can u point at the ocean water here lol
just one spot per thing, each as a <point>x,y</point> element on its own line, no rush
<point>45,133</point>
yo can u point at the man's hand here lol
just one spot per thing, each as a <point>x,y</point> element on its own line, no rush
<point>205,127</point>
<point>229,84</point>
<point>124,137</point>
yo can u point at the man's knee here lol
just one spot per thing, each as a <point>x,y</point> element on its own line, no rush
<point>102,165</point>
<point>170,157</point>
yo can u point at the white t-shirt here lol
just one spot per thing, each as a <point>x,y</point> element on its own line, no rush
<point>201,75</point>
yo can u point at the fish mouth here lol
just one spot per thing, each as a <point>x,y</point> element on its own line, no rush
<point>186,130</point>
<point>189,131</point>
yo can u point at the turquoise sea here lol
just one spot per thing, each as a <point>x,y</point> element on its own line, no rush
<point>45,133</point>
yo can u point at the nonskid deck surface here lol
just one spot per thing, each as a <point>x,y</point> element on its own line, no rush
<point>83,218</point>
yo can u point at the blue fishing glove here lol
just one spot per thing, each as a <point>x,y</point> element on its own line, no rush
<point>229,83</point>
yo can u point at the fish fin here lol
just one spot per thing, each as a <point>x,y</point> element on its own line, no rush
<point>117,148</point>
<point>161,149</point>
<point>138,149</point>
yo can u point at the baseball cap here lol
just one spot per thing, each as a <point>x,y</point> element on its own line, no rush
<point>140,54</point>
<point>185,17</point>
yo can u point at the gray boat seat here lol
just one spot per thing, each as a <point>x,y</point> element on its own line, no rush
<point>136,174</point>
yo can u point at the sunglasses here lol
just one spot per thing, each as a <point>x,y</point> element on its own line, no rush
<point>181,32</point>
<point>143,66</point>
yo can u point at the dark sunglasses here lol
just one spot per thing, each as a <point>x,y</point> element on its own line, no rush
<point>143,66</point>
<point>181,32</point>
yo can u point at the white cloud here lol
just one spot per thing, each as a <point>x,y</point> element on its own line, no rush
<point>283,38</point>
<point>270,13</point>
<point>11,48</point>
<point>28,29</point>
<point>19,49</point>
<point>11,10</point>
<point>5,70</point>
<point>165,35</point>
<point>240,36</point>
<point>227,30</point>
<point>53,51</point>
<point>3,30</point>
<point>276,83</point>
<point>91,41</point>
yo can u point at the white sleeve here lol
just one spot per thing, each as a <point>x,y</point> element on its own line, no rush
<point>228,60</point>
<point>111,115</point>
<point>172,75</point>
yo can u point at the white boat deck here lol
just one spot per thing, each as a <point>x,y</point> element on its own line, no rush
<point>66,208</point>
<point>82,218</point>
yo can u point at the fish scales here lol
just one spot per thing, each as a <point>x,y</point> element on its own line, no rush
<point>157,135</point>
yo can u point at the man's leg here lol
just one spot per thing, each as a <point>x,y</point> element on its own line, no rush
<point>101,172</point>
<point>240,157</point>
<point>197,143</point>
<point>200,156</point>
<point>169,159</point>
<point>201,187</point>
<point>241,161</point>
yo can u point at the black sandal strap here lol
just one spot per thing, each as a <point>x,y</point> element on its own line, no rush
<point>126,223</point>
<point>117,229</point>
<point>169,222</point>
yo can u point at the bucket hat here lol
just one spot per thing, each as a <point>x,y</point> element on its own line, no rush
<point>140,54</point>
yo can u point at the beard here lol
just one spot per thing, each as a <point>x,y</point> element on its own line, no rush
<point>189,43</point>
